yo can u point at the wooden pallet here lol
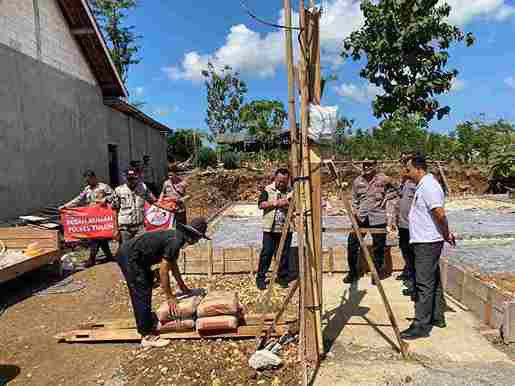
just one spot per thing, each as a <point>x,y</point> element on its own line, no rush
<point>102,334</point>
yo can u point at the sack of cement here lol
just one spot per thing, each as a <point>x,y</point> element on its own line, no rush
<point>219,303</point>
<point>186,308</point>
<point>177,325</point>
<point>264,359</point>
<point>221,323</point>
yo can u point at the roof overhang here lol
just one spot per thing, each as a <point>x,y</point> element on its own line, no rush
<point>132,111</point>
<point>86,31</point>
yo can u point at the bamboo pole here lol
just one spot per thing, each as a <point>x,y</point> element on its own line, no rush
<point>275,270</point>
<point>403,346</point>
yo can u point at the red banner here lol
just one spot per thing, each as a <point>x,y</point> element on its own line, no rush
<point>160,219</point>
<point>92,222</point>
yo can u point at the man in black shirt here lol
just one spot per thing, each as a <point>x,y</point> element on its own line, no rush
<point>136,258</point>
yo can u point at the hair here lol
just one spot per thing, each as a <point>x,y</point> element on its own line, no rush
<point>419,161</point>
<point>172,168</point>
<point>89,173</point>
<point>283,171</point>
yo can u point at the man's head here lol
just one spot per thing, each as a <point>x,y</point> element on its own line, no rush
<point>417,168</point>
<point>91,178</point>
<point>146,159</point>
<point>281,179</point>
<point>132,178</point>
<point>172,170</point>
<point>196,230</point>
<point>369,168</point>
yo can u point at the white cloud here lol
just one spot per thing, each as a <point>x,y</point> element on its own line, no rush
<point>464,11</point>
<point>360,94</point>
<point>260,55</point>
<point>457,85</point>
<point>510,81</point>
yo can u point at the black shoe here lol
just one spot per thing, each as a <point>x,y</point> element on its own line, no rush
<point>414,332</point>
<point>261,284</point>
<point>408,292</point>
<point>403,276</point>
<point>439,323</point>
<point>350,279</point>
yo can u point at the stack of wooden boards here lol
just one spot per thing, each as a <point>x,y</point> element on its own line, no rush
<point>218,315</point>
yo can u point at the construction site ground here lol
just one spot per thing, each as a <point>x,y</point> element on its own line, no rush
<point>360,342</point>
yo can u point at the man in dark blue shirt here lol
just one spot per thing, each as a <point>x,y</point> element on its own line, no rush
<point>138,255</point>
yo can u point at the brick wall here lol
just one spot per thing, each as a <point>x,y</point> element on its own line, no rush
<point>58,46</point>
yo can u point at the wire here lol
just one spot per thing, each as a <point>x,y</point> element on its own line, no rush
<point>253,15</point>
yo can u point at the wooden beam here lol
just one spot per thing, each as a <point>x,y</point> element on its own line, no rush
<point>83,31</point>
<point>403,346</point>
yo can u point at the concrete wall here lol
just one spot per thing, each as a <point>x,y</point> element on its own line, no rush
<point>38,28</point>
<point>52,127</point>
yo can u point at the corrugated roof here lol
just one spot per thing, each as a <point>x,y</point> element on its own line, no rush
<point>127,108</point>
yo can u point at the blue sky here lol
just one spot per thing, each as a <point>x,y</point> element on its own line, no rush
<point>179,39</point>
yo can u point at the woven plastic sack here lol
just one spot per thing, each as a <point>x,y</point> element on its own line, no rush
<point>219,303</point>
<point>186,308</point>
<point>217,324</point>
<point>322,122</point>
<point>178,325</point>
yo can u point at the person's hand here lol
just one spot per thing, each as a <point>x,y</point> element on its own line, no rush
<point>392,228</point>
<point>451,239</point>
<point>116,236</point>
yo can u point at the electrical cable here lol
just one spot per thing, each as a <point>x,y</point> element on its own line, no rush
<point>253,15</point>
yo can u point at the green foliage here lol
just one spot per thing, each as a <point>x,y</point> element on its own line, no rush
<point>231,160</point>
<point>183,143</point>
<point>225,95</point>
<point>262,118</point>
<point>503,167</point>
<point>406,44</point>
<point>477,141</point>
<point>207,157</point>
<point>111,15</point>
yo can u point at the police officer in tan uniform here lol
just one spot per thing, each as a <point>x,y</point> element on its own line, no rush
<point>369,196</point>
<point>129,201</point>
<point>95,192</point>
<point>175,187</point>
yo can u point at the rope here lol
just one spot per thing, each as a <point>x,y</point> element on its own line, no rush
<point>65,286</point>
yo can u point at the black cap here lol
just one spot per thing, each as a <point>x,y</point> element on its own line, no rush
<point>197,227</point>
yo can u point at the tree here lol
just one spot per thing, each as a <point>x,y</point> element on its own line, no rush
<point>182,144</point>
<point>111,15</point>
<point>263,118</point>
<point>406,44</point>
<point>225,95</point>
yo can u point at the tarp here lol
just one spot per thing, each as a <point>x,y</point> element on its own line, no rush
<point>92,222</point>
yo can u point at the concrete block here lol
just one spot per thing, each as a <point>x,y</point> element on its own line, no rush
<point>454,284</point>
<point>508,327</point>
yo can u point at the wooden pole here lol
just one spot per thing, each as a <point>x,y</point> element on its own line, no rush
<point>292,118</point>
<point>210,260</point>
<point>277,261</point>
<point>403,346</point>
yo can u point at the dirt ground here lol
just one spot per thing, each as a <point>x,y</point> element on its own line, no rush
<point>29,323</point>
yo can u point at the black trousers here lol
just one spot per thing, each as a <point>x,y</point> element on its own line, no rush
<point>270,244</point>
<point>354,248</point>
<point>407,253</point>
<point>180,218</point>
<point>139,280</point>
<point>429,303</point>
<point>95,245</point>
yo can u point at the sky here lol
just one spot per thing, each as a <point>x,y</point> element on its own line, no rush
<point>179,38</point>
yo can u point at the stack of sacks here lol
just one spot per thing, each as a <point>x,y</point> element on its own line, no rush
<point>184,318</point>
<point>218,312</point>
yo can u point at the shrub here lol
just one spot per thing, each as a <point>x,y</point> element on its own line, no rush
<point>231,160</point>
<point>207,157</point>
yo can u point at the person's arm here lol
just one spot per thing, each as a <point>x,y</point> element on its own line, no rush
<point>355,199</point>
<point>162,195</point>
<point>108,192</point>
<point>264,203</point>
<point>442,223</point>
<point>164,281</point>
<point>75,201</point>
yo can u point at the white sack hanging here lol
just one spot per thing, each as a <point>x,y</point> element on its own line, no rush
<point>322,122</point>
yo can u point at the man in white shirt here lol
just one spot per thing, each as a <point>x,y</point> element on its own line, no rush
<point>428,229</point>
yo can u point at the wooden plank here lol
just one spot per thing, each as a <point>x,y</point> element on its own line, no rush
<point>210,260</point>
<point>13,271</point>
<point>128,335</point>
<point>252,319</point>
